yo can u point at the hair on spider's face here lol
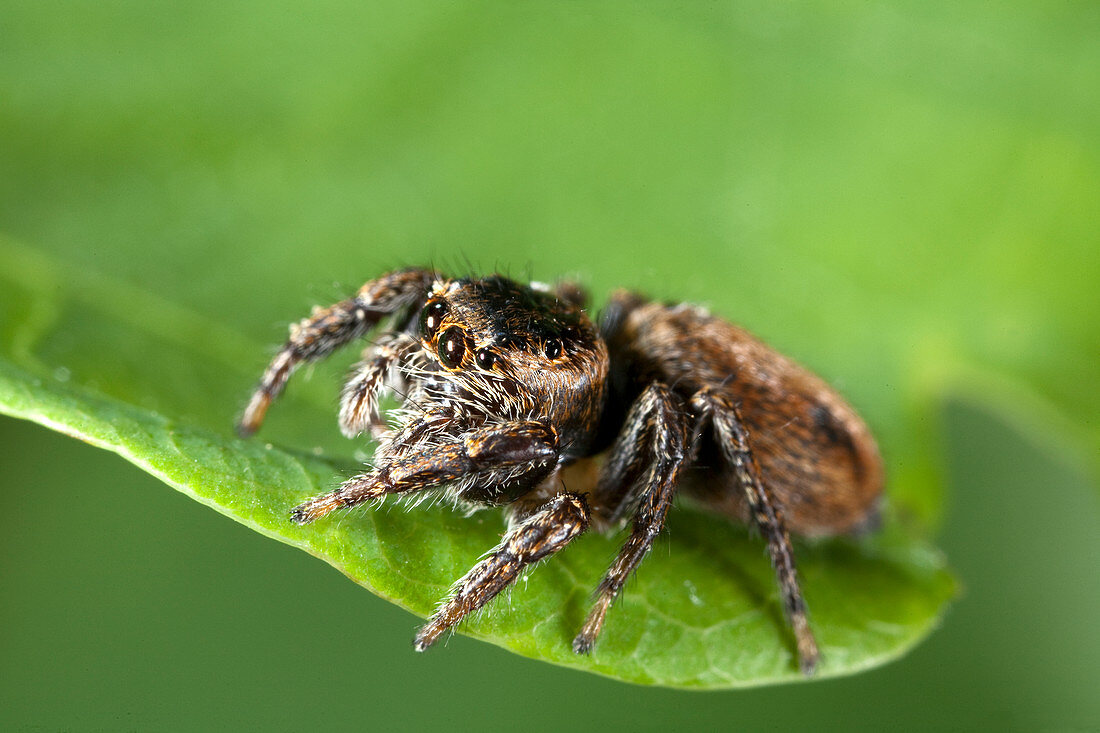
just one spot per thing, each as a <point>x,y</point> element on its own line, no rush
<point>494,322</point>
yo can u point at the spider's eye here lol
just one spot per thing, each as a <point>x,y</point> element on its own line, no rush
<point>553,348</point>
<point>431,316</point>
<point>485,359</point>
<point>452,346</point>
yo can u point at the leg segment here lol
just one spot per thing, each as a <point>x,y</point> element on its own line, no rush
<point>735,445</point>
<point>571,292</point>
<point>624,469</point>
<point>330,328</point>
<point>359,402</point>
<point>645,462</point>
<point>494,456</point>
<point>545,532</point>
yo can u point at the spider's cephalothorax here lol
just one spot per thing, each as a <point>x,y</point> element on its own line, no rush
<point>503,385</point>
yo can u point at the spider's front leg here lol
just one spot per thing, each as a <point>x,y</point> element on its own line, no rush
<point>734,442</point>
<point>642,471</point>
<point>554,525</point>
<point>329,328</point>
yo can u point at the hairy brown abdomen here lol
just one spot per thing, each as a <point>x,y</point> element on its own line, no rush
<point>814,452</point>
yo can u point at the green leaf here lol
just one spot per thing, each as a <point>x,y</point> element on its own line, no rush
<point>903,198</point>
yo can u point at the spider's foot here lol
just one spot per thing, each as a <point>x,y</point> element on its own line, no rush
<point>586,639</point>
<point>582,644</point>
<point>808,666</point>
<point>808,655</point>
<point>253,415</point>
<point>428,634</point>
<point>315,508</point>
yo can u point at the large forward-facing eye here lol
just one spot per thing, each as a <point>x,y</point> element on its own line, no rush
<point>431,316</point>
<point>452,346</point>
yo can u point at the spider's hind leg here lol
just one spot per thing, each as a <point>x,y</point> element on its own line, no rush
<point>327,329</point>
<point>734,443</point>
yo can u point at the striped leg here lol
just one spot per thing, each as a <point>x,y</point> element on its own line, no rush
<point>736,447</point>
<point>327,329</point>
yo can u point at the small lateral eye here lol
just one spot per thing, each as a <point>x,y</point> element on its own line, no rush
<point>553,348</point>
<point>431,316</point>
<point>452,347</point>
<point>485,358</point>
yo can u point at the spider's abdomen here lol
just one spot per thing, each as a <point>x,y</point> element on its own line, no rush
<point>814,451</point>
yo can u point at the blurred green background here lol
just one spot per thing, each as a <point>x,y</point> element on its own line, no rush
<point>904,196</point>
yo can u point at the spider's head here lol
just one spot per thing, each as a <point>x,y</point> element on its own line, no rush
<point>513,351</point>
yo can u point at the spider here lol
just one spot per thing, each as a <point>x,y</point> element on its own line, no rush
<point>504,385</point>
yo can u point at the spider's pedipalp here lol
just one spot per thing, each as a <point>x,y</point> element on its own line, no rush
<point>493,460</point>
<point>359,401</point>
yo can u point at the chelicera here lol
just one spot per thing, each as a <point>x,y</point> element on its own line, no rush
<point>504,385</point>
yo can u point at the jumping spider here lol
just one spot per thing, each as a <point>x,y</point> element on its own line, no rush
<point>504,385</point>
